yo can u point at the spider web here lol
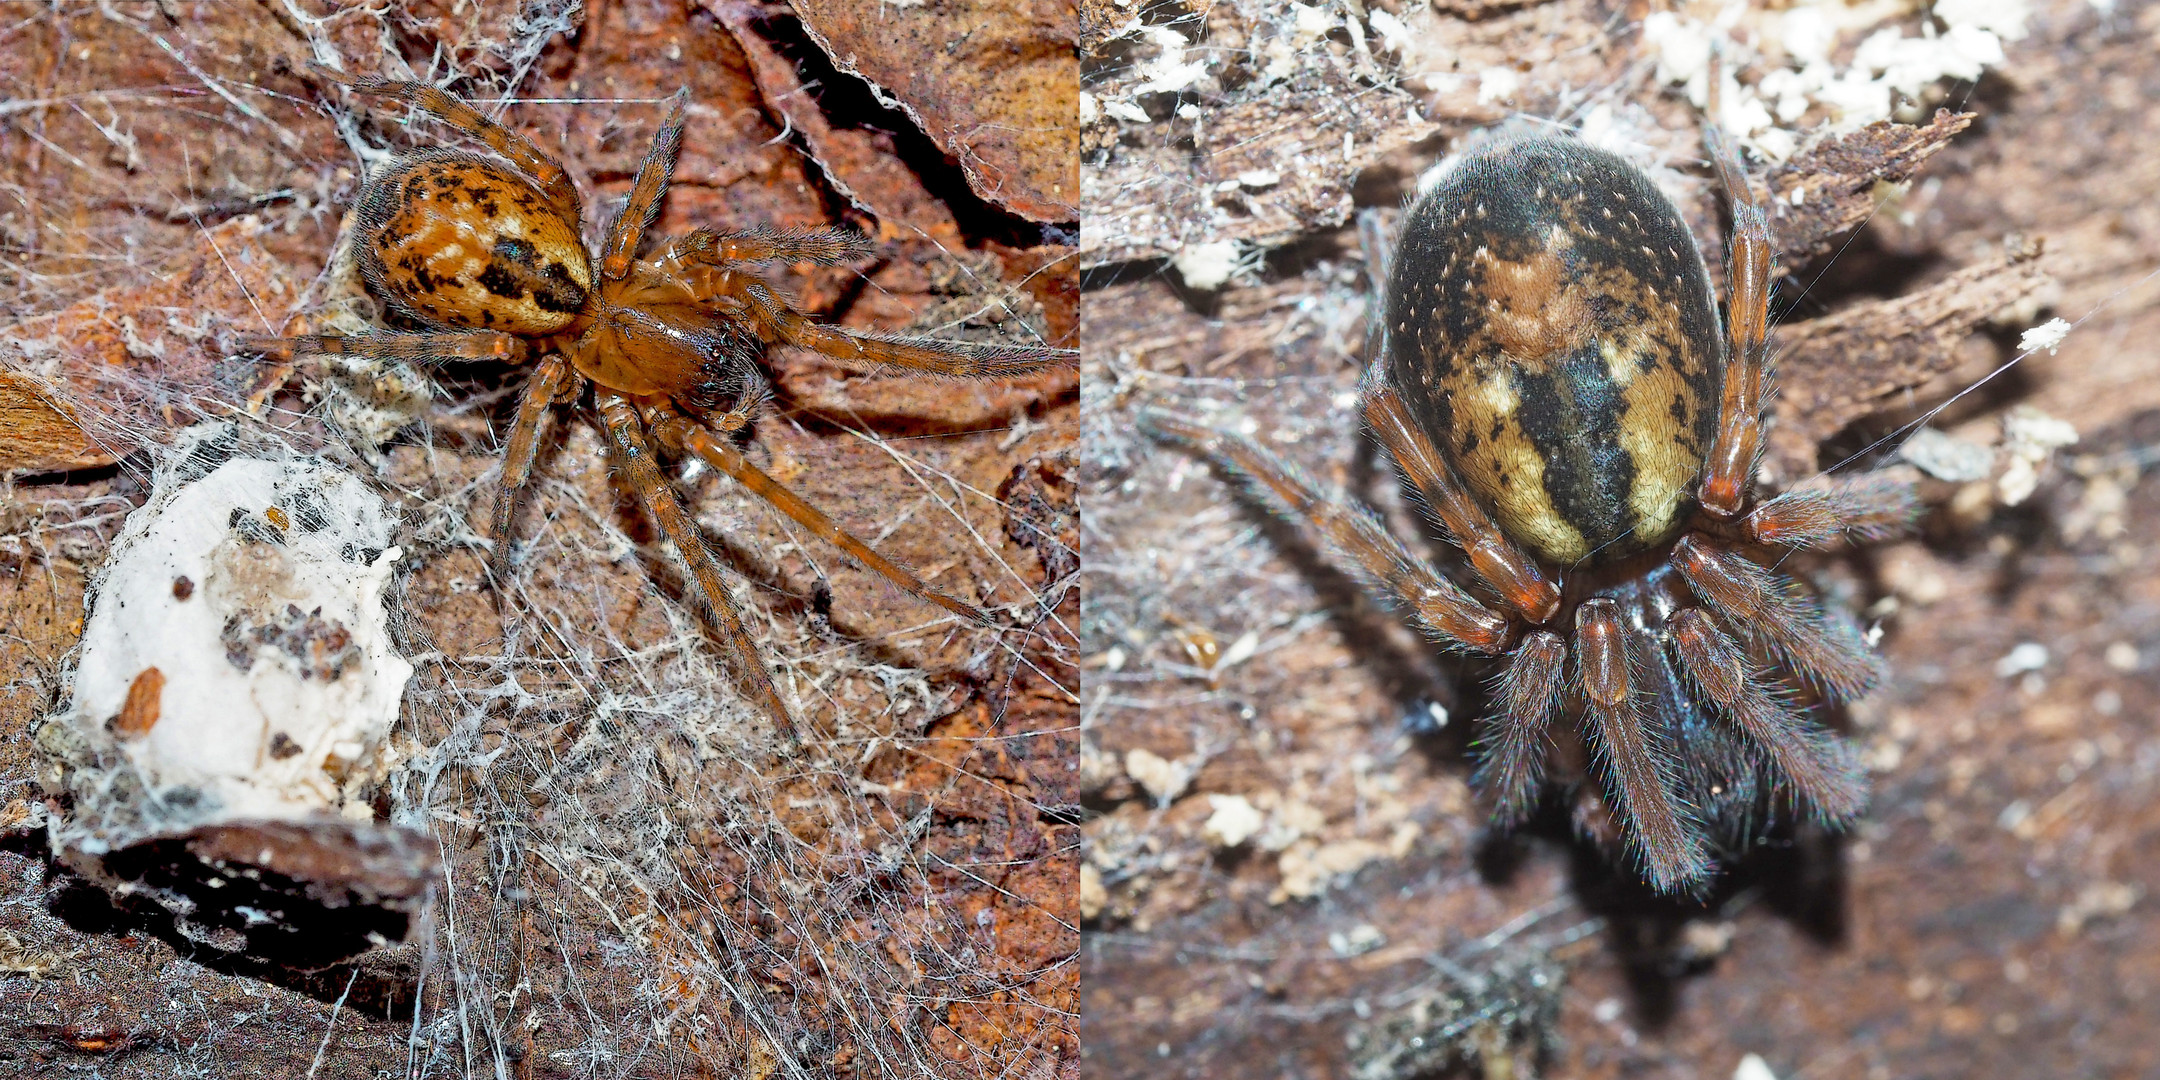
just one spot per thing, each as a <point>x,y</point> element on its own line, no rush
<point>637,883</point>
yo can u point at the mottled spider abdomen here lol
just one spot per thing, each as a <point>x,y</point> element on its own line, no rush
<point>1553,331</point>
<point>449,239</point>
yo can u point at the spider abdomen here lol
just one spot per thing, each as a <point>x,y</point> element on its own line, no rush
<point>1552,329</point>
<point>454,240</point>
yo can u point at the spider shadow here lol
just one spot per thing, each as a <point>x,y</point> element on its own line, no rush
<point>382,985</point>
<point>1794,870</point>
<point>1423,683</point>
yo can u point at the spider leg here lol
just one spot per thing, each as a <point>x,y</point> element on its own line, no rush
<point>1513,742</point>
<point>680,434</point>
<point>620,247</point>
<point>549,382</point>
<point>957,358</point>
<point>1514,575</point>
<point>1872,507</point>
<point>826,247</point>
<point>1754,599</point>
<point>389,345</point>
<point>1719,772</point>
<point>1731,463</point>
<point>1361,546</point>
<point>554,182</point>
<point>633,454</point>
<point>1665,835</point>
<point>1820,768</point>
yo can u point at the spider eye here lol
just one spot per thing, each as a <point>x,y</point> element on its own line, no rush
<point>517,251</point>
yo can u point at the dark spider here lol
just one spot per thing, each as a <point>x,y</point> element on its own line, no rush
<point>487,256</point>
<point>1552,381</point>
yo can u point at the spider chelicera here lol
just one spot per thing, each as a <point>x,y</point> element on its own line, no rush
<point>1551,379</point>
<point>485,258</point>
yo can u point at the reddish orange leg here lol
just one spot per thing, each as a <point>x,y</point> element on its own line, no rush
<point>1514,575</point>
<point>1828,656</point>
<point>554,182</point>
<point>1871,507</point>
<point>1513,744</point>
<point>1638,762</point>
<point>1731,463</point>
<point>549,382</point>
<point>633,455</point>
<point>679,434</point>
<point>957,358</point>
<point>1822,770</point>
<point>620,247</point>
<point>388,345</point>
<point>827,247</point>
<point>1362,546</point>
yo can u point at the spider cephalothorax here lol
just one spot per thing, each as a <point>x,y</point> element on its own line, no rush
<point>486,257</point>
<point>1552,382</point>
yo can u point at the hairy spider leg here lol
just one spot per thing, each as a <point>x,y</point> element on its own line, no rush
<point>1360,545</point>
<point>1870,507</point>
<point>1512,743</point>
<point>1830,657</point>
<point>552,380</point>
<point>619,250</point>
<point>961,359</point>
<point>1652,812</point>
<point>391,345</point>
<point>633,454</point>
<point>1824,773</point>
<point>545,170</point>
<point>826,247</point>
<point>679,434</point>
<point>1514,575</point>
<point>1731,463</point>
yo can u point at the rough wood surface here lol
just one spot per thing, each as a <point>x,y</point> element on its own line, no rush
<point>634,884</point>
<point>1992,915</point>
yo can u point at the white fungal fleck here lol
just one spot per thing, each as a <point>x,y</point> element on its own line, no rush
<point>1753,1067</point>
<point>1126,111</point>
<point>1169,72</point>
<point>1233,821</point>
<point>1207,265</point>
<point>2047,336</point>
<point>1164,780</point>
<point>2027,656</point>
<point>2029,436</point>
<point>1497,84</point>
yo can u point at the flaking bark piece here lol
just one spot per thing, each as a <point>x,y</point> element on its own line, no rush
<point>1266,170</point>
<point>1836,179</point>
<point>995,83</point>
<point>856,162</point>
<point>1860,361</point>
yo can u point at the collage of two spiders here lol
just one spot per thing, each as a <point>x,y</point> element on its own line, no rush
<point>1141,538</point>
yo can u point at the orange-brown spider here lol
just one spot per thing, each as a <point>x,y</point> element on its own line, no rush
<point>1551,379</point>
<point>486,258</point>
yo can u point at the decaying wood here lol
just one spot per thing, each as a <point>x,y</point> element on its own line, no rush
<point>1867,358</point>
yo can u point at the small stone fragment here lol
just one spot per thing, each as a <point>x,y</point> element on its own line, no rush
<point>1946,457</point>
